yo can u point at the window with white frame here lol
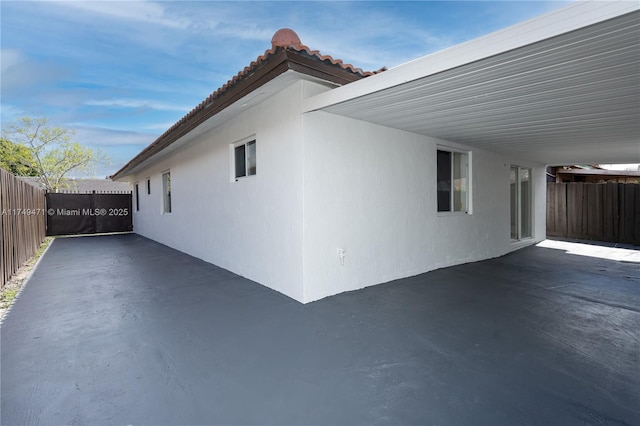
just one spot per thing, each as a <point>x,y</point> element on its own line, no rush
<point>166,191</point>
<point>520,183</point>
<point>244,155</point>
<point>453,181</point>
<point>148,186</point>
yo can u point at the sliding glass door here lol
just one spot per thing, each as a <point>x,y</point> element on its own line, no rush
<point>520,180</point>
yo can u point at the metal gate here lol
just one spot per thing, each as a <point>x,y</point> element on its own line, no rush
<point>71,214</point>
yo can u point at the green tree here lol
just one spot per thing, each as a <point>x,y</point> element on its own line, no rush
<point>17,158</point>
<point>56,155</point>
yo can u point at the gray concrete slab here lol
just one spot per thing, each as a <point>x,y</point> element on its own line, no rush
<point>122,330</point>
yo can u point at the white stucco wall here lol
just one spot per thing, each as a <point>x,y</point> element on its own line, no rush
<point>252,227</point>
<point>371,191</point>
<point>326,182</point>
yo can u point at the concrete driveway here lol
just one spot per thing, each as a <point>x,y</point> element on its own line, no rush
<point>122,330</point>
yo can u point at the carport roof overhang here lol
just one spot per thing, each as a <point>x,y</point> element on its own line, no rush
<point>563,88</point>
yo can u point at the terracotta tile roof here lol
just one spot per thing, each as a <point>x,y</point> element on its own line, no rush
<point>284,40</point>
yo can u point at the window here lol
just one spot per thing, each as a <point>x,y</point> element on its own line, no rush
<point>137,198</point>
<point>245,159</point>
<point>520,180</point>
<point>453,181</point>
<point>166,190</point>
<point>148,186</point>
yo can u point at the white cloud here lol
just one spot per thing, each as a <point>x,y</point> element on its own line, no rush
<point>10,58</point>
<point>105,137</point>
<point>159,126</point>
<point>140,11</point>
<point>138,103</point>
<point>243,31</point>
<point>10,113</point>
<point>19,72</point>
<point>373,40</point>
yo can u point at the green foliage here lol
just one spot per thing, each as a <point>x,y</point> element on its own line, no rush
<point>11,290</point>
<point>56,156</point>
<point>7,296</point>
<point>17,158</point>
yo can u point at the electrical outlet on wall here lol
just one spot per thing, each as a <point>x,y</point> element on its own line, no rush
<point>341,255</point>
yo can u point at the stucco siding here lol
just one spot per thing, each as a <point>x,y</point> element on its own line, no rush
<point>252,227</point>
<point>325,182</point>
<point>371,191</point>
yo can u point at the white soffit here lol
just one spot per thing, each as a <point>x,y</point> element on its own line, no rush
<point>563,88</point>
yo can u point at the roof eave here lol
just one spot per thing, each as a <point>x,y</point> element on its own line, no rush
<point>278,63</point>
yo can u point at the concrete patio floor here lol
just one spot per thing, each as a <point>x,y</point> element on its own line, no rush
<point>122,330</point>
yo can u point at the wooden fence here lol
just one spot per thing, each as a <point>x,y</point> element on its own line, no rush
<point>594,211</point>
<point>22,223</point>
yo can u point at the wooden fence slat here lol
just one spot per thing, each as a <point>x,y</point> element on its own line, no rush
<point>573,219</point>
<point>584,229</point>
<point>557,209</point>
<point>608,212</point>
<point>22,223</point>
<point>622,225</point>
<point>551,210</point>
<point>601,212</point>
<point>576,216</point>
<point>561,210</point>
<point>594,211</point>
<point>636,214</point>
<point>628,216</point>
<point>600,215</point>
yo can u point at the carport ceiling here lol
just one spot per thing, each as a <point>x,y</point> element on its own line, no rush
<point>570,99</point>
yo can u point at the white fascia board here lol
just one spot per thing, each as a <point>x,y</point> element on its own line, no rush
<point>575,16</point>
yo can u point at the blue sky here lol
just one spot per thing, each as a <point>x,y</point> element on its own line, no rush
<point>121,73</point>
